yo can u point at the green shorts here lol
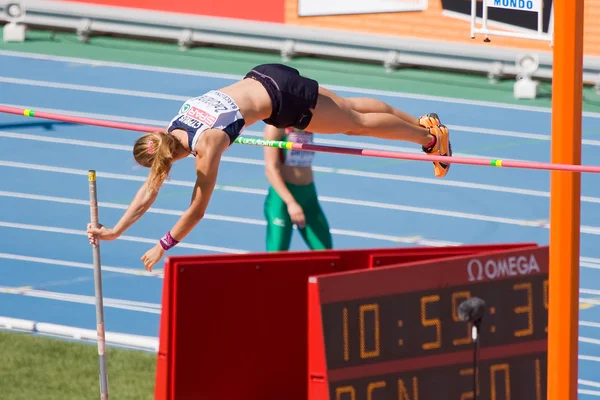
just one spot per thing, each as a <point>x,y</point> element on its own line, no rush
<point>316,233</point>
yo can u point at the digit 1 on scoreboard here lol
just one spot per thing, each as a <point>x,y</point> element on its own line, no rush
<point>468,395</point>
<point>346,339</point>
<point>538,379</point>
<point>546,300</point>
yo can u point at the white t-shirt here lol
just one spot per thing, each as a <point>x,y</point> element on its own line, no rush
<point>299,158</point>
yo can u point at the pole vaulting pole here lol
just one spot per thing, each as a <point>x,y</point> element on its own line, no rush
<point>98,289</point>
<point>565,201</point>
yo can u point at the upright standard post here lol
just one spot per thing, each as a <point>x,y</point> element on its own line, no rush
<point>565,202</point>
<point>98,289</point>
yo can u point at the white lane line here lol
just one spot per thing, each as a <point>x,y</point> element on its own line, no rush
<point>365,235</point>
<point>67,282</point>
<point>318,140</point>
<point>72,264</point>
<point>58,140</point>
<point>520,135</point>
<point>588,383</point>
<point>232,77</point>
<point>337,200</point>
<point>592,292</point>
<point>589,301</point>
<point>148,343</point>
<point>590,324</point>
<point>53,229</point>
<point>260,162</point>
<point>590,265</point>
<point>437,212</point>
<point>452,100</point>
<point>116,64</point>
<point>589,358</point>
<point>365,145</point>
<point>92,89</point>
<point>458,128</point>
<point>589,262</point>
<point>152,308</point>
<point>254,133</point>
<point>87,143</point>
<point>337,171</point>
<point>589,392</point>
<point>107,117</point>
<point>542,223</point>
<point>160,274</point>
<point>589,340</point>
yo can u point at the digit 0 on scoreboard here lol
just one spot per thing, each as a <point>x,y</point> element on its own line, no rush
<point>394,333</point>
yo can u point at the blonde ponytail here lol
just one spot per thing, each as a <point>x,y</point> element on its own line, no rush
<point>155,151</point>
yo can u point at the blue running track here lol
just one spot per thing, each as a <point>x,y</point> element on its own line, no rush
<point>44,199</point>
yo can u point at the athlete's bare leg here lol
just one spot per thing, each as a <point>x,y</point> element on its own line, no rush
<point>335,114</point>
<point>368,105</point>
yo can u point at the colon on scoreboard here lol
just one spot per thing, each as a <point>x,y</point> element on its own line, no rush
<point>536,6</point>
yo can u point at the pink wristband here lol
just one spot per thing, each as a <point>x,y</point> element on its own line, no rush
<point>167,242</point>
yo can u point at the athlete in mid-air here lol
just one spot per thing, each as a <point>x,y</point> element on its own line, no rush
<point>207,125</point>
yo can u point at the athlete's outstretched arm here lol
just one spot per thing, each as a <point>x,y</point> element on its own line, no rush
<point>139,205</point>
<point>212,144</point>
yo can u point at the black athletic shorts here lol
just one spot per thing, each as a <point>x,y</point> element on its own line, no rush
<point>292,95</point>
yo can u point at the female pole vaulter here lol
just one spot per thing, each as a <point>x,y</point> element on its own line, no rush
<point>207,125</point>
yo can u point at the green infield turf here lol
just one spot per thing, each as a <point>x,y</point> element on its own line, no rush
<point>35,367</point>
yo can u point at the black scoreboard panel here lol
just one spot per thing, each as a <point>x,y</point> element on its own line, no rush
<point>382,343</point>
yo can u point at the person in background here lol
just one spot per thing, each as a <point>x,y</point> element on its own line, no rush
<point>292,197</point>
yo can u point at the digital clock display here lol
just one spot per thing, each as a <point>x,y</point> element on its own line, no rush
<point>394,332</point>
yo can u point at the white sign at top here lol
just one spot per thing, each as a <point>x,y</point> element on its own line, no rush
<point>523,5</point>
<point>308,8</point>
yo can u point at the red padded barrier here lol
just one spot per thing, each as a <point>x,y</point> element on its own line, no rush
<point>162,388</point>
<point>236,326</point>
<point>317,366</point>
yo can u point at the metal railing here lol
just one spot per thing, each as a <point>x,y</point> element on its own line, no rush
<point>287,40</point>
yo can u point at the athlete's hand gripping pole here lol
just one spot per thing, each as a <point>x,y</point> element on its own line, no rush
<point>98,288</point>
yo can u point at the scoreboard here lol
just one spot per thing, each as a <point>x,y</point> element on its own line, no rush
<point>394,332</point>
